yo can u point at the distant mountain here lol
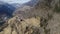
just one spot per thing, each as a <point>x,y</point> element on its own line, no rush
<point>32,3</point>
<point>16,5</point>
<point>9,8</point>
<point>6,11</point>
<point>6,8</point>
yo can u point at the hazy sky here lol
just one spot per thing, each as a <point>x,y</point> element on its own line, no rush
<point>15,1</point>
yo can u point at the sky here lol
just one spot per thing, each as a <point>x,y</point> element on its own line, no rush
<point>15,1</point>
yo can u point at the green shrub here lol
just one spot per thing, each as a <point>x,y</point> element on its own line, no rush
<point>57,9</point>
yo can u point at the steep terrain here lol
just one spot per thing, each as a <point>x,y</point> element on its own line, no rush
<point>43,18</point>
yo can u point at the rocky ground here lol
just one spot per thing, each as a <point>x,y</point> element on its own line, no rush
<point>43,18</point>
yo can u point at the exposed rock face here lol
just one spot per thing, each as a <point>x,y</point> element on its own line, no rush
<point>54,24</point>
